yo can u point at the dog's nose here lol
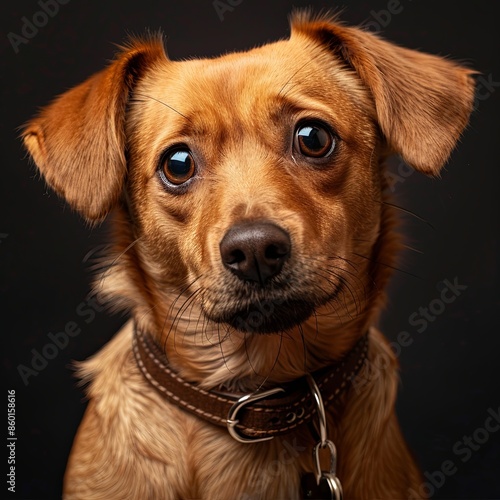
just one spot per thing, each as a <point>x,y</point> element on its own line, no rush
<point>255,251</point>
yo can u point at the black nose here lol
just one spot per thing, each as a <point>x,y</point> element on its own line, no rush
<point>255,251</point>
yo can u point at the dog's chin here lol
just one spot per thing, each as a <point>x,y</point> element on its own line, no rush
<point>265,317</point>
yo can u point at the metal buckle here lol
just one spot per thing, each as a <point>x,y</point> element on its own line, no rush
<point>232,421</point>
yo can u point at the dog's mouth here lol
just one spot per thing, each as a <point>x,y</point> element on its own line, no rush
<point>268,313</point>
<point>268,316</point>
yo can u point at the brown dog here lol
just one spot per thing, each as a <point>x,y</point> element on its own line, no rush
<point>253,242</point>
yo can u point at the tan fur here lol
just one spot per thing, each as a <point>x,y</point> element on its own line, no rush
<point>99,145</point>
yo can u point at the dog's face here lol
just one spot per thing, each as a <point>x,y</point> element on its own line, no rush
<point>250,186</point>
<point>260,176</point>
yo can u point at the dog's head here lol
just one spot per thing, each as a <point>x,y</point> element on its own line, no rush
<point>250,187</point>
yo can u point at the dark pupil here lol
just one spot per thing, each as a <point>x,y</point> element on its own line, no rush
<point>179,164</point>
<point>313,138</point>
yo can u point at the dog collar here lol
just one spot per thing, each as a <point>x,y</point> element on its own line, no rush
<point>259,416</point>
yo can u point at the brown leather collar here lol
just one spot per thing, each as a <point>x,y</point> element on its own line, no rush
<point>254,417</point>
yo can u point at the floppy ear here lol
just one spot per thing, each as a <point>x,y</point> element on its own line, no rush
<point>78,141</point>
<point>423,102</point>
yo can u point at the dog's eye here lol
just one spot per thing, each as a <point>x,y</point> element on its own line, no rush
<point>314,140</point>
<point>177,166</point>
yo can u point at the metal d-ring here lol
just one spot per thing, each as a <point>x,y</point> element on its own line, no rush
<point>232,421</point>
<point>320,408</point>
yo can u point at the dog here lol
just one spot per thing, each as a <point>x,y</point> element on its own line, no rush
<point>253,237</point>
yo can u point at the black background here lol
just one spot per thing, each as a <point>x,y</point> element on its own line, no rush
<point>450,372</point>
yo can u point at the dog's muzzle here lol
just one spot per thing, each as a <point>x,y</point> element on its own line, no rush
<point>257,253</point>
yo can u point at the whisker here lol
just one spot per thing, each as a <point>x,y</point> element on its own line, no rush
<point>331,304</point>
<point>184,289</point>
<point>324,273</point>
<point>296,72</point>
<point>335,257</point>
<point>105,274</point>
<point>331,267</point>
<point>293,76</point>
<point>356,303</point>
<point>303,339</point>
<point>406,211</point>
<point>248,355</point>
<point>346,307</point>
<point>171,308</point>
<point>274,363</point>
<point>165,104</point>
<point>192,302</point>
<point>179,315</point>
<point>221,340</point>
<point>416,250</point>
<point>387,265</point>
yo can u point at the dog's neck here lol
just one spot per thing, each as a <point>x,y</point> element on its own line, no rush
<point>215,355</point>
